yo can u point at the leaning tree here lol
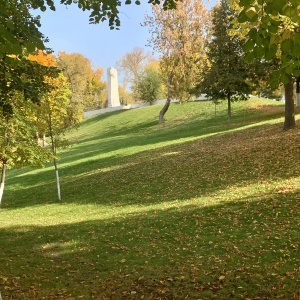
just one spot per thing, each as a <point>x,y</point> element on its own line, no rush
<point>179,37</point>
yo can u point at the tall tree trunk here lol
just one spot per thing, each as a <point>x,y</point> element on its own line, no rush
<point>57,179</point>
<point>289,119</point>
<point>53,146</point>
<point>167,104</point>
<point>298,91</point>
<point>3,173</point>
<point>44,140</point>
<point>229,108</point>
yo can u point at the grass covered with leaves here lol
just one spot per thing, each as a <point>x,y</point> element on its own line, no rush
<point>192,209</point>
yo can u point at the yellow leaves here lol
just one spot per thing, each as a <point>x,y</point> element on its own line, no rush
<point>3,279</point>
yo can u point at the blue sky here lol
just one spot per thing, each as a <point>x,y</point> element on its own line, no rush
<point>68,30</point>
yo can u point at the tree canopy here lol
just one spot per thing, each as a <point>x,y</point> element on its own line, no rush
<point>179,36</point>
<point>274,34</point>
<point>101,10</point>
<point>133,64</point>
<point>20,36</point>
<point>226,75</point>
<point>149,86</point>
<point>85,83</point>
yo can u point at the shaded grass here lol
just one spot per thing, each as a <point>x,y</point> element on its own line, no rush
<point>195,209</point>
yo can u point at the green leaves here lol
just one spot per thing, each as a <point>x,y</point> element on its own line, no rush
<point>148,86</point>
<point>227,75</point>
<point>18,29</point>
<point>249,57</point>
<point>275,36</point>
<point>287,45</point>
<point>249,45</point>
<point>270,52</point>
<point>251,13</point>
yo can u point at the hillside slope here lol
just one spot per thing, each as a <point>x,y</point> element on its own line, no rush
<point>193,209</point>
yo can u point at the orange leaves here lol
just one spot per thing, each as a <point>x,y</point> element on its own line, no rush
<point>43,58</point>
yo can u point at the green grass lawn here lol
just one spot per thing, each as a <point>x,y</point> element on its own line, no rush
<point>191,209</point>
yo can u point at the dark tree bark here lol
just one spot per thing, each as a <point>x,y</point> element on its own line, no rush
<point>167,104</point>
<point>298,91</point>
<point>289,119</point>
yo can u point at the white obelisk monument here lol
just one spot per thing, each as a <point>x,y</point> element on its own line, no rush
<point>113,87</point>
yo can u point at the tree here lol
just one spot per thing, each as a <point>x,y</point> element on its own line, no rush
<point>20,80</point>
<point>149,86</point>
<point>53,110</point>
<point>273,33</point>
<point>95,95</point>
<point>19,29</point>
<point>100,10</point>
<point>17,73</point>
<point>227,75</point>
<point>85,83</point>
<point>179,37</point>
<point>19,36</point>
<point>132,64</point>
<point>124,95</point>
<point>18,146</point>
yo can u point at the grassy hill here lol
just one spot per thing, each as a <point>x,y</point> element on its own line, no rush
<point>192,209</point>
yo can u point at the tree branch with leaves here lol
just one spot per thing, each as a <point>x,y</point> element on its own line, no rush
<point>273,32</point>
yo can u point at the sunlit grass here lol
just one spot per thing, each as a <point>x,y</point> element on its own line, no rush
<point>193,209</point>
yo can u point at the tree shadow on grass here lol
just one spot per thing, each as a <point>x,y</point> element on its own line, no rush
<point>174,173</point>
<point>112,147</point>
<point>245,249</point>
<point>137,136</point>
<point>209,118</point>
<point>93,147</point>
<point>114,141</point>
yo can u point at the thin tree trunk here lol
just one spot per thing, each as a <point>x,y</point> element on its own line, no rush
<point>298,91</point>
<point>53,146</point>
<point>44,140</point>
<point>38,138</point>
<point>289,120</point>
<point>57,179</point>
<point>167,104</point>
<point>3,173</point>
<point>229,108</point>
